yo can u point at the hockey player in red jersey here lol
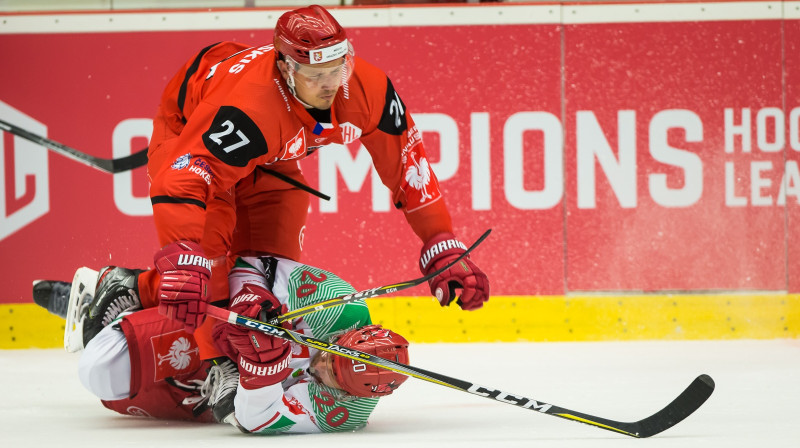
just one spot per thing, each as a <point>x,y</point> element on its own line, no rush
<point>232,111</point>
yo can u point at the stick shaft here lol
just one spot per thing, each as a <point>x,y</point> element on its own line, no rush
<point>375,292</point>
<point>127,163</point>
<point>681,407</point>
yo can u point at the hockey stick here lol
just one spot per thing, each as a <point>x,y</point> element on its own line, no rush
<point>295,183</point>
<point>111,166</point>
<point>681,407</point>
<point>127,163</point>
<point>374,292</point>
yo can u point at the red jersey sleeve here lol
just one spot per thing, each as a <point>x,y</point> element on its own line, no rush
<point>398,153</point>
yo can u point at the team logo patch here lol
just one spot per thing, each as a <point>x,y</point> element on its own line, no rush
<point>350,132</point>
<point>295,147</point>
<point>300,351</point>
<point>294,406</point>
<point>327,54</point>
<point>420,185</point>
<point>181,162</point>
<point>174,353</point>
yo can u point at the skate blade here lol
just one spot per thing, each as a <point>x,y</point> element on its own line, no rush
<point>81,293</point>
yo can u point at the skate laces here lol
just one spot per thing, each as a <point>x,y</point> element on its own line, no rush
<point>84,304</point>
<point>119,305</point>
<point>222,379</point>
<point>193,386</point>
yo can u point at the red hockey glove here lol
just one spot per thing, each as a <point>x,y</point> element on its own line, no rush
<point>183,288</point>
<point>263,360</point>
<point>442,249</point>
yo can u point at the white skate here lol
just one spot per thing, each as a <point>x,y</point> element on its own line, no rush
<point>80,296</point>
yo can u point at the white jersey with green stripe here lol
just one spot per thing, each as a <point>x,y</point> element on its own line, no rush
<point>299,404</point>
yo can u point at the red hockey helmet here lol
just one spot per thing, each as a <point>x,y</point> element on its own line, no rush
<point>364,380</point>
<point>311,35</point>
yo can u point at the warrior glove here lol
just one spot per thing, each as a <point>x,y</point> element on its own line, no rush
<point>263,360</point>
<point>183,288</point>
<point>465,275</point>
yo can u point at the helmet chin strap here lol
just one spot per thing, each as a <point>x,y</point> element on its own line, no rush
<point>306,105</point>
<point>290,83</point>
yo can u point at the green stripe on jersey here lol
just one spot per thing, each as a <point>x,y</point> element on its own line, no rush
<point>335,415</point>
<point>283,424</point>
<point>308,285</point>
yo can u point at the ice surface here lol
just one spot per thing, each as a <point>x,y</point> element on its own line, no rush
<point>756,403</point>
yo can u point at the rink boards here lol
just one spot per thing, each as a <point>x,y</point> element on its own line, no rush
<point>526,318</point>
<point>620,153</point>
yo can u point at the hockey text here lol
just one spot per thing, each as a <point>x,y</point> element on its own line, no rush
<point>499,395</point>
<point>194,260</point>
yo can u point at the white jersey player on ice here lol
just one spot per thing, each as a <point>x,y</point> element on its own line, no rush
<point>143,363</point>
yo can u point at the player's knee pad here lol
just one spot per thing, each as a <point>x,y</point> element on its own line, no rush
<point>105,367</point>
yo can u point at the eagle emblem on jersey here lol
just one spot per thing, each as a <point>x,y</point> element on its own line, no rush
<point>295,147</point>
<point>420,185</point>
<point>350,133</point>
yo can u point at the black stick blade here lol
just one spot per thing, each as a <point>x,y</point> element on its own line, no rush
<point>683,406</point>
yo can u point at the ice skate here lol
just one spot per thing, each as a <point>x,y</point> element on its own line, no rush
<point>81,295</point>
<point>117,291</point>
<point>220,388</point>
<point>52,295</point>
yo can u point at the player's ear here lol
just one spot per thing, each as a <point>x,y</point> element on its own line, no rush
<point>284,68</point>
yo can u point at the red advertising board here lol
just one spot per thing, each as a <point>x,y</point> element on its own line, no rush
<point>604,156</point>
<point>791,31</point>
<point>673,164</point>
<point>93,92</point>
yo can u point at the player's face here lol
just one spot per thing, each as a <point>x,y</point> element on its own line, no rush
<point>317,84</point>
<point>321,368</point>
